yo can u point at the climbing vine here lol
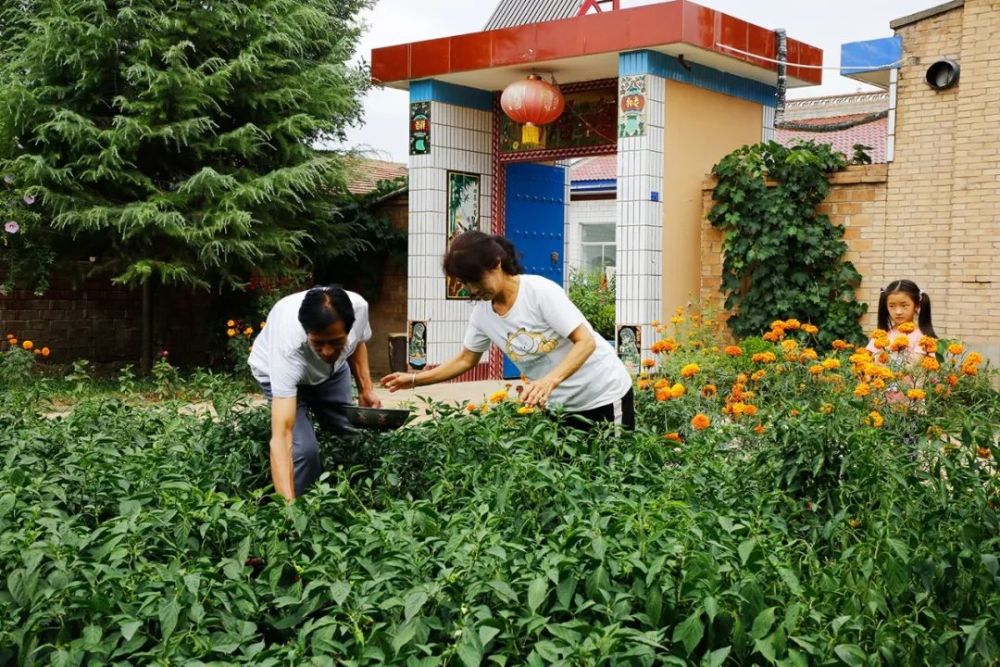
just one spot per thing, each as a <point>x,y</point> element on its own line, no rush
<point>782,258</point>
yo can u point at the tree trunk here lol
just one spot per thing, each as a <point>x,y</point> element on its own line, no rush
<point>146,345</point>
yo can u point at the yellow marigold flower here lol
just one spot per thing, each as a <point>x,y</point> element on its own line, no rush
<point>498,396</point>
<point>648,363</point>
<point>708,391</point>
<point>758,375</point>
<point>733,350</point>
<point>930,364</point>
<point>230,332</point>
<point>862,356</point>
<point>673,436</point>
<point>816,369</point>
<point>880,343</point>
<point>907,327</point>
<point>974,358</point>
<point>862,389</point>
<point>677,319</point>
<point>525,410</point>
<point>810,329</point>
<point>690,370</point>
<point>809,354</point>
<point>899,343</point>
<point>878,383</point>
<point>879,333</point>
<point>655,323</point>
<point>248,331</point>
<point>854,523</point>
<point>826,408</point>
<point>956,349</point>
<point>831,364</point>
<point>788,345</point>
<point>677,390</point>
<point>231,323</point>
<point>700,421</point>
<point>875,419</point>
<point>27,345</point>
<point>916,394</point>
<point>737,408</point>
<point>262,325</point>
<point>792,324</point>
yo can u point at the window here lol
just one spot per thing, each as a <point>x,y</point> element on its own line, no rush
<point>599,247</point>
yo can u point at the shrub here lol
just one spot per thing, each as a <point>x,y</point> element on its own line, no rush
<point>594,295</point>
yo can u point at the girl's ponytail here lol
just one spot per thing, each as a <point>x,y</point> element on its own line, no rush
<point>924,317</point>
<point>509,260</point>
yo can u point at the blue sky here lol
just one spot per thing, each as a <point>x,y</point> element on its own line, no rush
<point>823,23</point>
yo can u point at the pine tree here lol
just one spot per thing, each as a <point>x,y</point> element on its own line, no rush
<point>172,139</point>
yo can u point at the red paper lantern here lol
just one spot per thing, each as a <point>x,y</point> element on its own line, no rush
<point>532,102</point>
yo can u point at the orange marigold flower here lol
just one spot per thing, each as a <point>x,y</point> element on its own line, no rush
<point>974,358</point>
<point>792,324</point>
<point>970,370</point>
<point>733,350</point>
<point>248,331</point>
<point>879,333</point>
<point>643,385</point>
<point>230,332</point>
<point>764,357</point>
<point>831,364</point>
<point>664,345</point>
<point>839,344</point>
<point>37,352</point>
<point>777,324</point>
<point>758,429</point>
<point>12,341</point>
<point>788,345</point>
<point>878,383</point>
<point>708,391</point>
<point>648,363</point>
<point>677,319</point>
<point>810,329</point>
<point>677,390</point>
<point>758,375</point>
<point>749,410</point>
<point>700,421</point>
<point>916,394</point>
<point>816,369</point>
<point>930,364</point>
<point>498,396</point>
<point>983,452</point>
<point>741,378</point>
<point>231,323</point>
<point>661,384</point>
<point>956,349</point>
<point>899,343</point>
<point>953,379</point>
<point>862,389</point>
<point>471,407</point>
<point>663,394</point>
<point>907,327</point>
<point>27,345</point>
<point>770,337</point>
<point>690,370</point>
<point>809,354</point>
<point>794,413</point>
<point>674,436</point>
<point>928,344</point>
<point>655,323</point>
<point>875,419</point>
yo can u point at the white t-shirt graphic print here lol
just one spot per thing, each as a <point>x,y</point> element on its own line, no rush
<point>535,335</point>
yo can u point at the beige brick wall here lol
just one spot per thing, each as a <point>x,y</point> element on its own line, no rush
<point>857,202</point>
<point>943,202</point>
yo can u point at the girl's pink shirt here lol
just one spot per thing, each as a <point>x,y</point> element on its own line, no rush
<point>912,349</point>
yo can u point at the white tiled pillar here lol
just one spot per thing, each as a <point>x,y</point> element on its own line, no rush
<point>640,207</point>
<point>767,131</point>
<point>460,140</point>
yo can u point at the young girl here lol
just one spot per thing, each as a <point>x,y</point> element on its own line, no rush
<point>532,320</point>
<point>898,339</point>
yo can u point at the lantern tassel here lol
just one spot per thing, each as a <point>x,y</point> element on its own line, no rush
<point>530,134</point>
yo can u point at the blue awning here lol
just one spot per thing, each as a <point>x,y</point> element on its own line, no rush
<point>870,61</point>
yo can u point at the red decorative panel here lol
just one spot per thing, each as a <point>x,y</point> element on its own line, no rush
<point>470,52</point>
<point>391,63</point>
<point>429,58</point>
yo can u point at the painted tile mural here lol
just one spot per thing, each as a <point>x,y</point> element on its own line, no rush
<point>632,106</point>
<point>416,353</point>
<point>463,215</point>
<point>420,128</point>
<point>630,346</point>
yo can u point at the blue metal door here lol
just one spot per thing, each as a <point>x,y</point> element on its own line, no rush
<point>535,212</point>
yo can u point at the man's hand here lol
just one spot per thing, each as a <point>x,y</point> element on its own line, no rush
<point>538,391</point>
<point>369,399</point>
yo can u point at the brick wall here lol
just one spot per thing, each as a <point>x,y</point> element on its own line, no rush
<point>944,183</point>
<point>857,201</point>
<point>388,313</point>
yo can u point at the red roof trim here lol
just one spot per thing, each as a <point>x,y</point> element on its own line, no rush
<point>678,21</point>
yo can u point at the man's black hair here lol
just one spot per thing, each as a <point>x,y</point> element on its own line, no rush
<point>324,305</point>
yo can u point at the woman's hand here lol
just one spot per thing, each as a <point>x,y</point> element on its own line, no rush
<point>537,391</point>
<point>396,381</point>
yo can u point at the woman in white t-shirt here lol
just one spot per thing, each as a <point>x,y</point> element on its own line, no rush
<point>534,323</point>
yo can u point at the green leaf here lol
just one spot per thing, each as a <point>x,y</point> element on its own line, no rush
<point>790,580</point>
<point>745,549</point>
<point>990,563</point>
<point>565,590</point>
<point>129,628</point>
<point>536,593</point>
<point>851,654</point>
<point>470,650</point>
<point>763,623</point>
<point>169,610</point>
<point>404,634</point>
<point>414,603</point>
<point>339,591</point>
<point>689,632</point>
<point>717,657</point>
<point>504,590</point>
<point>711,607</point>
